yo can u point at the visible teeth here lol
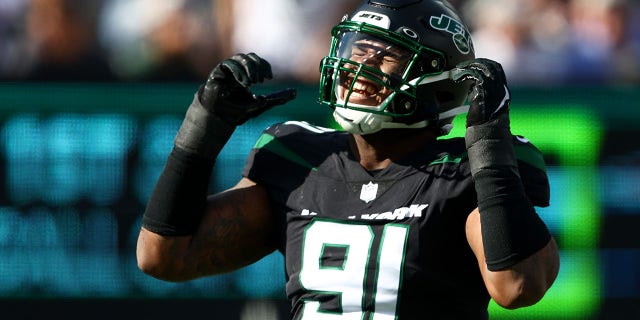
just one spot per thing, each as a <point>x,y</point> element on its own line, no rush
<point>363,87</point>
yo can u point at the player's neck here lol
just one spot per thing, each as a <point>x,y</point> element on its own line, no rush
<point>379,150</point>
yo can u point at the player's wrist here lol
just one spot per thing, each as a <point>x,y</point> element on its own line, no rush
<point>489,145</point>
<point>202,132</point>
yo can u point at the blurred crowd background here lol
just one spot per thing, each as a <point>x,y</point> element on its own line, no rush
<point>539,42</point>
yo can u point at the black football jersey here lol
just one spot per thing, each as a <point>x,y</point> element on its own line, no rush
<point>389,244</point>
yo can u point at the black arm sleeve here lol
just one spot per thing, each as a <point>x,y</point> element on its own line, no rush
<point>179,197</point>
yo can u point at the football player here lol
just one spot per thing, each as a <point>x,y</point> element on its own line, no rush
<point>386,219</point>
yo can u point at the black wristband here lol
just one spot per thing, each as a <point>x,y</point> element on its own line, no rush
<point>178,200</point>
<point>511,228</point>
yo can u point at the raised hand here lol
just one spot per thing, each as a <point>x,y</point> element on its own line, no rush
<point>226,92</point>
<point>489,95</point>
<point>224,101</point>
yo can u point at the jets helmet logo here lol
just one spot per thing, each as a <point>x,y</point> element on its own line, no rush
<point>460,35</point>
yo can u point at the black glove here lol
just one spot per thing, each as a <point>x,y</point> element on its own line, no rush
<point>489,95</point>
<point>488,135</point>
<point>224,102</point>
<point>226,92</point>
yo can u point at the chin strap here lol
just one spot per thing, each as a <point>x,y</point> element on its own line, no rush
<point>453,112</point>
<point>368,123</point>
<point>445,75</point>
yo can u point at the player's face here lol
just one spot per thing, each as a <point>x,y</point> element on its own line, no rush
<point>374,53</point>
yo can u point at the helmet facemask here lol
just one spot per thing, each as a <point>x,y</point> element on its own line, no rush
<point>371,79</point>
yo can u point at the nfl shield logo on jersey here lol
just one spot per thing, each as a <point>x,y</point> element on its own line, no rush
<point>368,192</point>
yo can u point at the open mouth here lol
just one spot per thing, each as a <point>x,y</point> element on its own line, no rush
<point>365,88</point>
<point>363,91</point>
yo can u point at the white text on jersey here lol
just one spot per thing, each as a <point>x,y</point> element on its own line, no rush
<point>415,210</point>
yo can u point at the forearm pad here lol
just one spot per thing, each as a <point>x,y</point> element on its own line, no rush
<point>202,132</point>
<point>178,200</point>
<point>511,228</point>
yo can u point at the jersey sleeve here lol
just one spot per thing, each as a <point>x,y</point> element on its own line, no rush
<point>285,153</point>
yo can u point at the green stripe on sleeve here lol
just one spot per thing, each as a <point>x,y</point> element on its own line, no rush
<point>269,142</point>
